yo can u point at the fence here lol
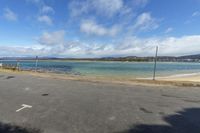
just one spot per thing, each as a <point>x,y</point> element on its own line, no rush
<point>10,66</point>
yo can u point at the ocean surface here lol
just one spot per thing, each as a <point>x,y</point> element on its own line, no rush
<point>111,69</point>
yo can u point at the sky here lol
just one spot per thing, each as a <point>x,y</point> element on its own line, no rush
<point>99,28</point>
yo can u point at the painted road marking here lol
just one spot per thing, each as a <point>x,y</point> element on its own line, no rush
<point>112,118</point>
<point>23,107</point>
<point>27,89</point>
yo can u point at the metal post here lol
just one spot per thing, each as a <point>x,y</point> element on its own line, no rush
<point>1,64</point>
<point>155,63</point>
<point>36,63</point>
<point>18,65</point>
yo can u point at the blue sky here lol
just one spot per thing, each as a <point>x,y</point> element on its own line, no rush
<point>98,28</point>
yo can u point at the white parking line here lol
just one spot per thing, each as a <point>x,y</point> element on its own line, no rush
<point>23,107</point>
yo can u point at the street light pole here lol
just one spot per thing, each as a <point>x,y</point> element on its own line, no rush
<point>36,63</point>
<point>155,63</point>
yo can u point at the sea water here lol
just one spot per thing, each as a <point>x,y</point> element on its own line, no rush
<point>111,69</point>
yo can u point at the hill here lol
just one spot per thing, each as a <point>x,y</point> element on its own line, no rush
<point>187,58</point>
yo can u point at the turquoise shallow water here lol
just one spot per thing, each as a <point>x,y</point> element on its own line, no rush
<point>111,69</point>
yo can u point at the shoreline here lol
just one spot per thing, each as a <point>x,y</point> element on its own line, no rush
<point>178,77</point>
<point>188,80</point>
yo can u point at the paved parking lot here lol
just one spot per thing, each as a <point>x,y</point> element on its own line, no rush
<point>66,106</point>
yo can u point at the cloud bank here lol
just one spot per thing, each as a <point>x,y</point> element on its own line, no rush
<point>55,44</point>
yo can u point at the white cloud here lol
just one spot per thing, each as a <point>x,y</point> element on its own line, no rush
<point>19,51</point>
<point>44,9</point>
<point>92,28</point>
<point>140,3</point>
<point>180,46</point>
<point>196,14</point>
<point>145,22</point>
<point>54,44</point>
<point>168,30</point>
<point>112,13</point>
<point>10,15</point>
<point>107,7</point>
<point>100,7</point>
<point>45,19</point>
<point>169,46</point>
<point>47,9</point>
<point>52,38</point>
<point>77,8</point>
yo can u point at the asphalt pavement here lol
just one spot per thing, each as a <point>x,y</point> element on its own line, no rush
<point>30,104</point>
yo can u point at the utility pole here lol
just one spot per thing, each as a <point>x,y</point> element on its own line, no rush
<point>155,63</point>
<point>36,63</point>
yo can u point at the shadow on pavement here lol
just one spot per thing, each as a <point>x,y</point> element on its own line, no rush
<point>186,121</point>
<point>8,128</point>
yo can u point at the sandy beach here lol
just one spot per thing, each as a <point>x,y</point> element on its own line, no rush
<point>193,77</point>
